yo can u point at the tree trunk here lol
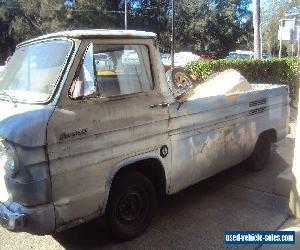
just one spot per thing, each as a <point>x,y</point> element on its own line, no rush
<point>256,25</point>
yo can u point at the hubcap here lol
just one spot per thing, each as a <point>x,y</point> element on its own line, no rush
<point>130,207</point>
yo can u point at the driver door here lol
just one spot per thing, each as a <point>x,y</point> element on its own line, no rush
<point>106,119</point>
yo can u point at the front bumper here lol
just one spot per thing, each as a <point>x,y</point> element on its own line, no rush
<point>36,220</point>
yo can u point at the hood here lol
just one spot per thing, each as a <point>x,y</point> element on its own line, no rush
<point>24,124</point>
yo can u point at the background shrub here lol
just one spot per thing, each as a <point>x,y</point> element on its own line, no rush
<point>272,71</point>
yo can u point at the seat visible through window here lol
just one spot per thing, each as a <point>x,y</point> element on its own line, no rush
<point>122,69</point>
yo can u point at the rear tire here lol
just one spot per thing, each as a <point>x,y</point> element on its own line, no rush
<point>261,154</point>
<point>131,205</point>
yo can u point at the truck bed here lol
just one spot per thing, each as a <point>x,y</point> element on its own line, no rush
<point>221,131</point>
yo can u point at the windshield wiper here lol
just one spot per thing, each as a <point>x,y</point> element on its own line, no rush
<point>11,98</point>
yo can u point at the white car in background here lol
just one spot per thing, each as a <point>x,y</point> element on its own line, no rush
<point>181,59</point>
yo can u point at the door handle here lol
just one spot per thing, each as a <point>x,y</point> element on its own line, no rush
<point>160,105</point>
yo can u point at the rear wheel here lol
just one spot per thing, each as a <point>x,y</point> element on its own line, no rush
<point>261,154</point>
<point>131,205</point>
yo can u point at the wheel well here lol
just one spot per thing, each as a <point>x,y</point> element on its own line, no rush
<point>271,133</point>
<point>151,168</point>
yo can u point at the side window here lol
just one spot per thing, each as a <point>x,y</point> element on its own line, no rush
<point>85,84</point>
<point>122,69</point>
<point>113,70</point>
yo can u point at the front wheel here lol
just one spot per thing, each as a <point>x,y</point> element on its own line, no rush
<point>261,154</point>
<point>131,205</point>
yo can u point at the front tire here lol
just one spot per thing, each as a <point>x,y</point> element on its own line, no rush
<point>261,154</point>
<point>131,205</point>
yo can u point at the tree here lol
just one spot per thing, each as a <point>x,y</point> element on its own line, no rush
<point>214,26</point>
<point>31,18</point>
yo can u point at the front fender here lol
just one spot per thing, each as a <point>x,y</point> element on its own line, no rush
<point>131,161</point>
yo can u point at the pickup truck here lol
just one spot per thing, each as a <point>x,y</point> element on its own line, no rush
<point>78,141</point>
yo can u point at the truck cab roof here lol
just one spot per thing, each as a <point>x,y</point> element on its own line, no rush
<point>94,33</point>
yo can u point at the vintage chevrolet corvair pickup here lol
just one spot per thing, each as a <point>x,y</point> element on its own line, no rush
<point>90,126</point>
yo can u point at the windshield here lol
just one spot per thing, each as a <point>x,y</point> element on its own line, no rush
<point>32,73</point>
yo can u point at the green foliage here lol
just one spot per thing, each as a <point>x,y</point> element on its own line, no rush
<point>274,71</point>
<point>214,26</point>
<point>31,18</point>
<point>220,26</point>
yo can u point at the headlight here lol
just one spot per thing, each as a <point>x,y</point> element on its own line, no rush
<point>8,158</point>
